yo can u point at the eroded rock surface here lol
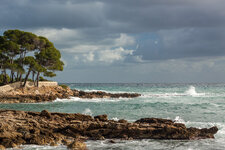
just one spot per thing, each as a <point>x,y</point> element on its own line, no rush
<point>42,128</point>
<point>48,94</point>
<point>100,94</point>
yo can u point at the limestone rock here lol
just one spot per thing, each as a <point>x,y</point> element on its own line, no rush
<point>45,113</point>
<point>2,147</point>
<point>77,145</point>
<point>50,93</point>
<point>102,117</point>
<point>42,128</point>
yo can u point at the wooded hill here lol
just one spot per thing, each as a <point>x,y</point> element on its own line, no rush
<point>24,55</point>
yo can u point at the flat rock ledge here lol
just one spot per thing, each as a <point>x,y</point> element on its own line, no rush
<point>45,128</point>
<point>49,94</point>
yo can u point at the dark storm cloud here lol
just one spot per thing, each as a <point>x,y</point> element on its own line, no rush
<point>151,15</point>
<point>181,43</point>
<point>139,15</point>
<point>184,28</point>
<point>49,13</point>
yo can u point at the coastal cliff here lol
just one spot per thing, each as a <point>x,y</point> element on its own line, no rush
<point>42,128</point>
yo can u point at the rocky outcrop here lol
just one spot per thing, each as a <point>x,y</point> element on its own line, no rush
<point>50,93</point>
<point>100,94</point>
<point>41,128</point>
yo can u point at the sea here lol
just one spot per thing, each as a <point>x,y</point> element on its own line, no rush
<point>195,105</point>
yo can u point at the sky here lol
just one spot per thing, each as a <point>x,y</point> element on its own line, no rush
<point>112,41</point>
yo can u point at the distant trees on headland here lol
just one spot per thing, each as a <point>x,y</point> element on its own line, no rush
<point>24,54</point>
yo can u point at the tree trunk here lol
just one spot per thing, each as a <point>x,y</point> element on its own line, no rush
<point>12,75</point>
<point>33,77</point>
<point>37,79</point>
<point>5,77</point>
<point>25,80</point>
<point>17,76</point>
<point>20,77</point>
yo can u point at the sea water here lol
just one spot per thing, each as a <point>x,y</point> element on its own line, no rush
<point>196,105</point>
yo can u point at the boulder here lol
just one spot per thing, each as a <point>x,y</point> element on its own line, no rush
<point>45,113</point>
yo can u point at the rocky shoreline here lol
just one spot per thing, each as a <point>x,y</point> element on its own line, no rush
<point>45,128</point>
<point>49,94</point>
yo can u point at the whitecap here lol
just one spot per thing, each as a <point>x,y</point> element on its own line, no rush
<point>190,92</point>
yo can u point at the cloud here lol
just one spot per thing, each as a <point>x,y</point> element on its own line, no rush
<point>188,70</point>
<point>135,38</point>
<point>182,43</point>
<point>117,54</point>
<point>104,57</point>
<point>115,16</point>
<point>183,28</point>
<point>88,57</point>
<point>107,49</point>
<point>124,40</point>
<point>48,13</point>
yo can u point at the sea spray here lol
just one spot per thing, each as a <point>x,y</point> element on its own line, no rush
<point>115,119</point>
<point>178,119</point>
<point>87,111</point>
<point>192,92</point>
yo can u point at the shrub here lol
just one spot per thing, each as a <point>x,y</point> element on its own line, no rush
<point>42,79</point>
<point>64,86</point>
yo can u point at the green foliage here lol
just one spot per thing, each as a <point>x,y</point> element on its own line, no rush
<point>64,86</point>
<point>49,74</point>
<point>31,62</point>
<point>2,79</point>
<point>15,44</point>
<point>42,79</point>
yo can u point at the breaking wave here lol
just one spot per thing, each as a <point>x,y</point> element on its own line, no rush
<point>190,92</point>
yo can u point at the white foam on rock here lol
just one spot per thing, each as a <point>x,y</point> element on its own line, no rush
<point>94,100</point>
<point>87,111</point>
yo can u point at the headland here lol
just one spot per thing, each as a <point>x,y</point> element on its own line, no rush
<point>49,91</point>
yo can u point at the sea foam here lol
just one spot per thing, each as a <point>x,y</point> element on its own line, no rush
<point>93,100</point>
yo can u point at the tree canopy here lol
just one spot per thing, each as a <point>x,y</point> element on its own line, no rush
<point>44,59</point>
